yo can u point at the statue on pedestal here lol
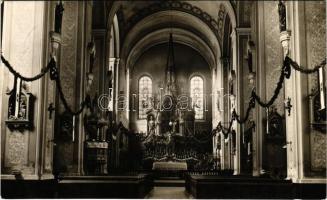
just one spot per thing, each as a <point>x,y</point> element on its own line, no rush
<point>282,16</point>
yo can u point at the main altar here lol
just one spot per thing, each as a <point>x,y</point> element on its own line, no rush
<point>170,143</point>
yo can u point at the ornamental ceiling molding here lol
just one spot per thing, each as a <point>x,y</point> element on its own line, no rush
<point>215,26</point>
<point>158,21</point>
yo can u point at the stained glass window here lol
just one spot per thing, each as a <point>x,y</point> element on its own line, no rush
<point>197,96</point>
<point>145,95</point>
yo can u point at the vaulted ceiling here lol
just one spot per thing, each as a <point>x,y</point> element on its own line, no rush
<point>198,24</point>
<point>210,12</point>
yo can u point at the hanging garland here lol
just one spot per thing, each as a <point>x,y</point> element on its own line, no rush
<point>276,92</point>
<point>28,79</point>
<point>285,72</point>
<point>303,70</point>
<point>224,130</point>
<point>54,75</point>
<point>250,107</point>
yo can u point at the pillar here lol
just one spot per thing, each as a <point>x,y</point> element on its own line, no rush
<point>25,45</point>
<point>243,92</point>
<point>298,88</point>
<point>258,60</point>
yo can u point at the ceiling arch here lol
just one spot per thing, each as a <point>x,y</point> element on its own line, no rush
<point>170,6</point>
<point>168,20</point>
<point>208,11</point>
<point>181,19</point>
<point>161,36</point>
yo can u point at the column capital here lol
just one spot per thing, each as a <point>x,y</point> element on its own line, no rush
<point>111,63</point>
<point>117,61</point>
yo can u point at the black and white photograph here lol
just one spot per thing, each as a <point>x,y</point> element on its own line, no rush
<point>163,99</point>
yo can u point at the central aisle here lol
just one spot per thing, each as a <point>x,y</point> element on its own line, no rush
<point>168,193</point>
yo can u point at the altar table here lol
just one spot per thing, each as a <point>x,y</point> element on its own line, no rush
<point>170,166</point>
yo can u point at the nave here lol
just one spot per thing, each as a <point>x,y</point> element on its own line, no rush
<point>163,99</point>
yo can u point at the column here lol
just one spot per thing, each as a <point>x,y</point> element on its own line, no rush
<point>116,89</point>
<point>291,127</point>
<point>298,88</point>
<point>219,93</point>
<point>222,151</point>
<point>258,66</point>
<point>72,66</point>
<point>25,40</point>
<point>111,86</point>
<point>127,111</point>
<point>243,87</point>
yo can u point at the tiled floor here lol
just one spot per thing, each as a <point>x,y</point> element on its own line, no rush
<point>168,193</point>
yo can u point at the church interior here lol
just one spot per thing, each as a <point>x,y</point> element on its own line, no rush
<point>163,99</point>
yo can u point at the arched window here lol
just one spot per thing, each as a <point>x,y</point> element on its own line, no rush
<point>145,95</point>
<point>197,96</point>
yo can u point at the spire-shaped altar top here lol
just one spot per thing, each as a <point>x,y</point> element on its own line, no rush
<point>170,87</point>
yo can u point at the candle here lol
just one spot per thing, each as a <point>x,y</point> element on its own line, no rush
<point>73,134</point>
<point>321,89</point>
<point>110,102</point>
<point>267,112</point>
<point>18,85</point>
<point>243,138</point>
<point>160,99</point>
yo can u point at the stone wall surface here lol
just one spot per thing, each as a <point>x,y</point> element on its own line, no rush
<point>68,52</point>
<point>244,13</point>
<point>22,47</point>
<point>246,88</point>
<point>273,53</point>
<point>64,152</point>
<point>315,13</point>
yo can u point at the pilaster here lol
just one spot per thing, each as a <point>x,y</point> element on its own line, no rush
<point>242,35</point>
<point>258,65</point>
<point>25,47</point>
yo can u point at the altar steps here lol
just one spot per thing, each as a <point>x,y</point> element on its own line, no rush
<point>169,182</point>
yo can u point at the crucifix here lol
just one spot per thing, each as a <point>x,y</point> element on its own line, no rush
<point>50,110</point>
